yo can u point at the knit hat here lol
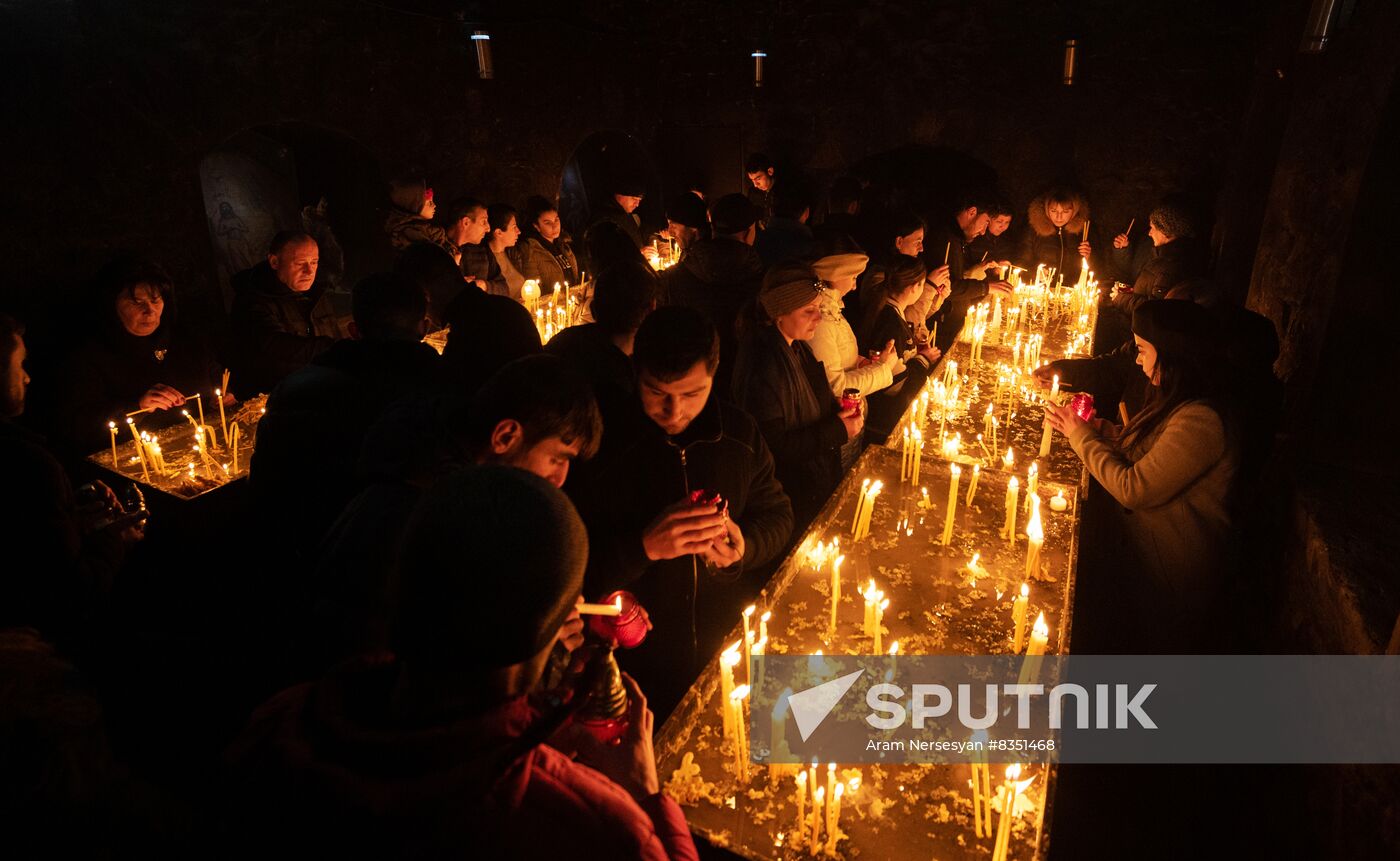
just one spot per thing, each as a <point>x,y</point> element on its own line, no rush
<point>688,209</point>
<point>1176,327</point>
<point>733,213</point>
<point>840,267</point>
<point>492,561</point>
<point>1173,220</point>
<point>787,287</point>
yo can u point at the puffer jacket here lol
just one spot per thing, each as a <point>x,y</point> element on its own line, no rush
<point>549,263</point>
<point>1045,243</point>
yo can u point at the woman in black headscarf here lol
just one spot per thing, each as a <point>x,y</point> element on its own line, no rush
<point>133,356</point>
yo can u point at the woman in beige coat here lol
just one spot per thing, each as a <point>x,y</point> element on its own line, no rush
<point>1170,471</point>
<point>834,345</point>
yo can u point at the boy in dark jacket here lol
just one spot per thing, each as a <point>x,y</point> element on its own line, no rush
<point>648,503</point>
<point>443,752</point>
<point>281,317</point>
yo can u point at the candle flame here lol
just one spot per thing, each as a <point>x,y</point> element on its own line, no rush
<point>894,648</point>
<point>1033,528</point>
<point>1025,590</point>
<point>1009,459</point>
<point>749,610</point>
<point>739,693</point>
<point>112,425</point>
<point>1041,629</point>
<point>1013,771</point>
<point>766,616</point>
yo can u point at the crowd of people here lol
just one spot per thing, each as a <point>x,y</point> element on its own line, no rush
<point>424,524</point>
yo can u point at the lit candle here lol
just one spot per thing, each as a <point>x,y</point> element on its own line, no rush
<point>871,599</point>
<point>1035,649</point>
<point>880,622</point>
<point>112,426</point>
<point>223,422</point>
<point>952,504</point>
<point>1055,388</point>
<point>833,818</point>
<point>728,660</point>
<point>140,452</point>
<point>918,455</point>
<point>1058,501</point>
<point>972,485</point>
<point>1013,491</point>
<point>1003,841</point>
<point>860,506</point>
<point>904,464</point>
<point>741,740</point>
<point>894,661</point>
<point>864,528</point>
<point>199,404</point>
<point>763,626</point>
<point>1009,460</point>
<point>748,638</point>
<point>1018,618</point>
<point>233,444</point>
<point>835,592</point>
<point>1032,482</point>
<point>801,829</point>
<point>815,842</point>
<point>1035,536</point>
<point>981,784</point>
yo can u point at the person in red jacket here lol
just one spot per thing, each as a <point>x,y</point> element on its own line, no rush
<point>443,751</point>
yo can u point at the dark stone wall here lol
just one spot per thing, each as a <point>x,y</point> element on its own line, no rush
<point>118,102</point>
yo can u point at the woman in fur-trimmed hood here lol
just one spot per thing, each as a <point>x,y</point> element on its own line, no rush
<point>1056,235</point>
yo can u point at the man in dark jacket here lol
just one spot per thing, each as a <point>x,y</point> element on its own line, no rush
<point>995,243</point>
<point>442,752</point>
<point>787,236</point>
<point>621,209</point>
<point>303,469</point>
<point>969,221</point>
<point>759,169</point>
<point>62,560</point>
<point>653,526</point>
<point>623,295</point>
<point>535,414</point>
<point>720,276</point>
<point>467,225</point>
<point>281,317</point>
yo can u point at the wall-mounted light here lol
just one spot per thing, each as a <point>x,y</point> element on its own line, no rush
<point>758,58</point>
<point>1070,46</point>
<point>1319,28</point>
<point>482,40</point>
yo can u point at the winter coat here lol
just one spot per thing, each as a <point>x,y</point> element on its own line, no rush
<point>328,769</point>
<point>834,345</point>
<point>964,292</point>
<point>275,330</point>
<point>763,202</point>
<point>1053,246</point>
<point>1173,492</point>
<point>303,468</point>
<point>807,457</point>
<point>589,349</point>
<point>719,276</point>
<point>630,222</point>
<point>478,263</point>
<point>888,405</point>
<point>548,262</point>
<point>406,225</point>
<point>784,239</point>
<point>1172,266</point>
<point>58,575</point>
<point>105,377</point>
<point>642,471</point>
<point>1111,378</point>
<point>488,332</point>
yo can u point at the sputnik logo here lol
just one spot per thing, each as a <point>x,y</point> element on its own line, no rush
<point>810,707</point>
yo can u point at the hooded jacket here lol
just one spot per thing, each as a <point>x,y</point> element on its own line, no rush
<point>328,770</point>
<point>406,224</point>
<point>479,264</point>
<point>1045,243</point>
<point>1175,266</point>
<point>548,262</point>
<point>275,330</point>
<point>642,471</point>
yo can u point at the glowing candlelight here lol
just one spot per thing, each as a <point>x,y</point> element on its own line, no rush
<point>741,741</point>
<point>880,609</point>
<point>801,829</point>
<point>860,506</point>
<point>140,452</point>
<point>833,818</point>
<point>1013,490</point>
<point>1018,618</point>
<point>112,427</point>
<point>748,636</point>
<point>815,842</point>
<point>1032,482</point>
<point>1058,501</point>
<point>1035,650</point>
<point>1035,536</point>
<point>223,422</point>
<point>972,485</point>
<point>728,660</point>
<point>952,504</point>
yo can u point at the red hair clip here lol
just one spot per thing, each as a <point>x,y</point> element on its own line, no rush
<point>428,195</point>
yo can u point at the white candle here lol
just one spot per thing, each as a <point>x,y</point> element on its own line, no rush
<point>1058,501</point>
<point>1018,618</point>
<point>952,504</point>
<point>835,591</point>
<point>880,622</point>
<point>1035,536</point>
<point>1045,439</point>
<point>860,506</point>
<point>1035,649</point>
<point>800,831</point>
<point>112,426</point>
<point>814,843</point>
<point>972,485</point>
<point>1013,491</point>
<point>748,637</point>
<point>728,660</point>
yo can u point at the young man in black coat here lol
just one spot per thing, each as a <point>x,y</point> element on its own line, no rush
<point>647,500</point>
<point>969,221</point>
<point>281,317</point>
<point>303,469</point>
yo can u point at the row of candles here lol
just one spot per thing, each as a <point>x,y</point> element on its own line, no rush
<point>152,457</point>
<point>553,314</point>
